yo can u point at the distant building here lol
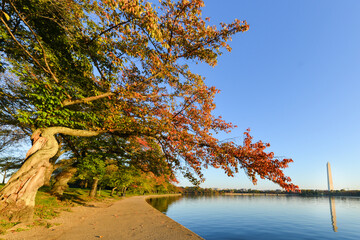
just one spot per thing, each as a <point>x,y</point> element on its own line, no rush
<point>330,181</point>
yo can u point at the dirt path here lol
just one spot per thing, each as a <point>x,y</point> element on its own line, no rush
<point>129,218</point>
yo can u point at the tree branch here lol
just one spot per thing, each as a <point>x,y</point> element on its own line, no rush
<point>186,105</point>
<point>69,102</point>
<point>38,41</point>
<point>107,30</point>
<point>21,46</point>
<point>71,132</point>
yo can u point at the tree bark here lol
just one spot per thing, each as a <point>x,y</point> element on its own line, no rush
<point>17,198</point>
<point>112,191</point>
<point>48,172</point>
<point>52,166</point>
<point>123,194</point>
<point>62,179</point>
<point>94,187</point>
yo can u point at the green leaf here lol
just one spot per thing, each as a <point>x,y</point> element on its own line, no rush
<point>6,16</point>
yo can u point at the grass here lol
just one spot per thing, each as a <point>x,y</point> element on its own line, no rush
<point>4,225</point>
<point>48,206</point>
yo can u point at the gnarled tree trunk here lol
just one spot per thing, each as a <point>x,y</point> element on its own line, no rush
<point>62,179</point>
<point>52,166</point>
<point>17,198</point>
<point>48,172</point>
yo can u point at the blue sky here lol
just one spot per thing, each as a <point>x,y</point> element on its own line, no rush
<point>293,78</point>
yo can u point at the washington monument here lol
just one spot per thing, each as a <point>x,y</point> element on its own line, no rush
<point>330,181</point>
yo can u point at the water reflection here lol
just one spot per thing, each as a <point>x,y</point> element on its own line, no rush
<point>333,213</point>
<point>265,217</point>
<point>162,204</point>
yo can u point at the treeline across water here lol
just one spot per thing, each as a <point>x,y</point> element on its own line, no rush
<point>304,192</point>
<point>341,192</point>
<point>209,191</point>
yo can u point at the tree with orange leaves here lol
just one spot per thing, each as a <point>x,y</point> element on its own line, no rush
<point>84,68</point>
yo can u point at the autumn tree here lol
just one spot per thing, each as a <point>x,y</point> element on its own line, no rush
<point>119,67</point>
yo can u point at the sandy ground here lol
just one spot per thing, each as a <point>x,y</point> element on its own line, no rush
<point>129,218</point>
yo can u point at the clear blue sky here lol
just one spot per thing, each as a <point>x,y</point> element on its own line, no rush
<point>293,78</point>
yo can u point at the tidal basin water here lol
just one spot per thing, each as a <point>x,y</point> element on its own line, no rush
<point>265,217</point>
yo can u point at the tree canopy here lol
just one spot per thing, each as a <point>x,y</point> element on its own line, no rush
<point>122,67</point>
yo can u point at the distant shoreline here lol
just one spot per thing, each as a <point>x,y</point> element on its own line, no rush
<point>260,194</point>
<point>290,194</point>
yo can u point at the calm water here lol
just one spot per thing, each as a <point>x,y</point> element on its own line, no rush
<point>265,217</point>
